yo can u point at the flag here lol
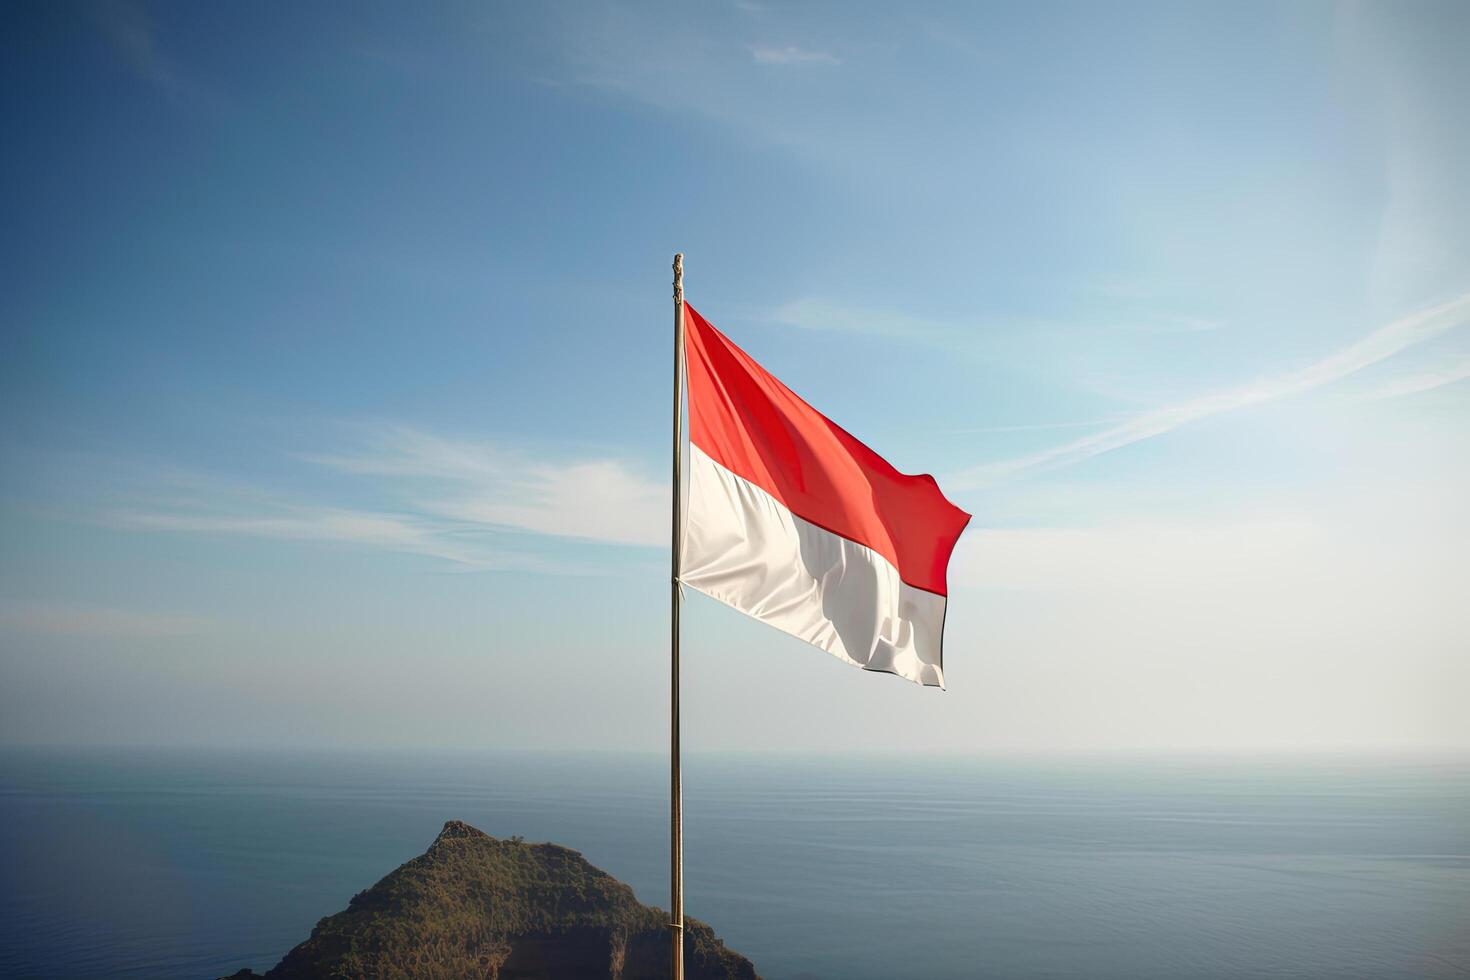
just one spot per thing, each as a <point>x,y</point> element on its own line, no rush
<point>793,521</point>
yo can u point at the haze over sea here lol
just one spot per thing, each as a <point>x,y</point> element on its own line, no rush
<point>194,863</point>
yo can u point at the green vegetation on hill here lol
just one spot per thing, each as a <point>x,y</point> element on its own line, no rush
<point>475,906</point>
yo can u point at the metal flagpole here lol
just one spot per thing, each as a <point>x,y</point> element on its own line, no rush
<point>676,787</point>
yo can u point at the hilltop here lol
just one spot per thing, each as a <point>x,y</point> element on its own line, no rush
<point>476,906</point>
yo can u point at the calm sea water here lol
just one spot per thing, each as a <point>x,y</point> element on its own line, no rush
<point>193,864</point>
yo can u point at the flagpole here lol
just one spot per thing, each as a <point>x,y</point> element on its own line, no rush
<point>676,785</point>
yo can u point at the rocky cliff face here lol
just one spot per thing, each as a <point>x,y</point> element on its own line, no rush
<point>475,906</point>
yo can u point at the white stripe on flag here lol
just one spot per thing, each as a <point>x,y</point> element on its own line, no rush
<point>745,548</point>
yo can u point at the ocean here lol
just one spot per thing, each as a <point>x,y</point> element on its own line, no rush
<point>194,863</point>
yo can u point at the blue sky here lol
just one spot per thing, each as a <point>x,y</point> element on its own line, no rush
<point>337,364</point>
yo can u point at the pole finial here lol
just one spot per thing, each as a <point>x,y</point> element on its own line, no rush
<point>678,275</point>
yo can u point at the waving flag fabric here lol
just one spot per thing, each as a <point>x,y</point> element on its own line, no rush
<point>791,520</point>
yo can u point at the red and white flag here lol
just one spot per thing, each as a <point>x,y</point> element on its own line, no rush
<point>793,521</point>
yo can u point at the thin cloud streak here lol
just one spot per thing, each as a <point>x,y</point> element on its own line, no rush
<point>482,484</point>
<point>1413,384</point>
<point>1377,346</point>
<point>791,55</point>
<point>453,500</point>
<point>634,53</point>
<point>293,522</point>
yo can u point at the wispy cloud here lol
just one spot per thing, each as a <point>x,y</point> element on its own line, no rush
<point>71,619</point>
<point>790,54</point>
<point>289,521</point>
<point>710,71</point>
<point>1413,384</point>
<point>466,502</point>
<point>1421,240</point>
<point>1379,345</point>
<point>481,483</point>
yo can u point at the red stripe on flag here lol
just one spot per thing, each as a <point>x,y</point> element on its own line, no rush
<point>757,428</point>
